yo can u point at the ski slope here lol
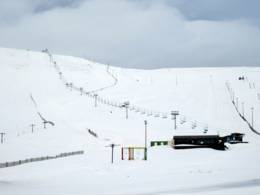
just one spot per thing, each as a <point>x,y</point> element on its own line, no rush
<point>35,82</point>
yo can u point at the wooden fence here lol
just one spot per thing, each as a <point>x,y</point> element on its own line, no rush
<point>29,160</point>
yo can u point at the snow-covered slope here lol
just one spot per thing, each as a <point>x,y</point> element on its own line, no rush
<point>35,82</point>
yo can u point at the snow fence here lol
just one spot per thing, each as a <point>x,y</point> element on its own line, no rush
<point>29,160</point>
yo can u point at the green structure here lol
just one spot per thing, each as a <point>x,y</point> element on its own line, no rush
<point>159,143</point>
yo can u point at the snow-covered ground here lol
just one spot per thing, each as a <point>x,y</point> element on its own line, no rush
<point>199,94</point>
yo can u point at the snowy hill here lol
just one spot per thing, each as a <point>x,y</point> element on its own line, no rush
<point>36,82</point>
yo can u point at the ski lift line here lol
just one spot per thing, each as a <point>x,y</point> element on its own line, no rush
<point>135,109</point>
<point>243,117</point>
<point>38,112</point>
<point>23,130</point>
<point>34,102</point>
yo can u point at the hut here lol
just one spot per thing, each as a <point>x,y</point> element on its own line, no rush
<point>234,138</point>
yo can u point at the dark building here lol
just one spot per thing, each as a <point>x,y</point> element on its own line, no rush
<point>206,141</point>
<point>195,141</point>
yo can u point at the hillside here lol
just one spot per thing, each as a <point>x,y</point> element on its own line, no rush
<point>35,82</point>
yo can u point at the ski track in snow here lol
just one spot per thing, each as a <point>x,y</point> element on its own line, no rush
<point>211,188</point>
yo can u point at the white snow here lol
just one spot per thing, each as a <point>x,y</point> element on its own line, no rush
<point>199,94</point>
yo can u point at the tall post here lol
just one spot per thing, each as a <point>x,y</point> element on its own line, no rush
<point>44,124</point>
<point>252,109</point>
<point>2,137</point>
<point>112,151</point>
<point>243,109</point>
<point>60,73</point>
<point>95,96</point>
<point>174,115</point>
<point>112,158</point>
<point>32,125</point>
<point>81,91</point>
<point>126,112</point>
<point>145,143</point>
<point>71,84</point>
<point>126,105</point>
<point>175,126</point>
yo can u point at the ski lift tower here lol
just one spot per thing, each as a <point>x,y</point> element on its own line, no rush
<point>2,137</point>
<point>252,117</point>
<point>112,150</point>
<point>174,116</point>
<point>126,105</point>
<point>95,96</point>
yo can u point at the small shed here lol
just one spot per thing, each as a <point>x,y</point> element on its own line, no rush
<point>234,138</point>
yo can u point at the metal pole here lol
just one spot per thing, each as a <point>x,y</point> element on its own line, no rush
<point>71,86</point>
<point>243,109</point>
<point>145,123</point>
<point>126,111</point>
<point>252,117</point>
<point>112,146</point>
<point>126,105</point>
<point>32,125</point>
<point>174,115</point>
<point>95,95</point>
<point>175,126</point>
<point>145,143</point>
<point>44,124</point>
<point>112,151</point>
<point>2,137</point>
<point>81,91</point>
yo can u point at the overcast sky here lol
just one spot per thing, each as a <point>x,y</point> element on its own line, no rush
<point>137,33</point>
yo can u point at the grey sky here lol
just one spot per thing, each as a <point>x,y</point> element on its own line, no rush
<point>137,33</point>
<point>219,9</point>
